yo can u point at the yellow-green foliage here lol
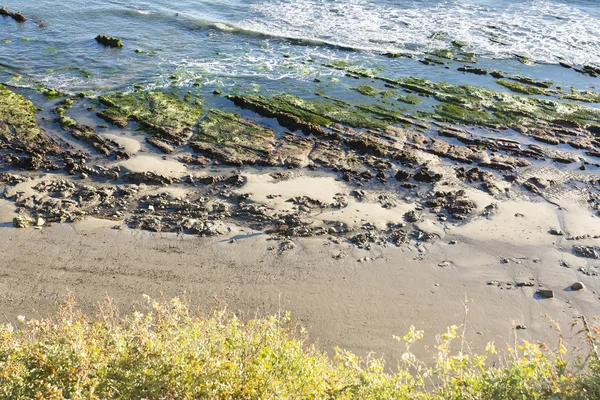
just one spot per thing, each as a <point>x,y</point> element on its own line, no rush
<point>167,352</point>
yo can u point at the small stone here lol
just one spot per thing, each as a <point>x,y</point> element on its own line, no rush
<point>525,284</point>
<point>504,261</point>
<point>577,286</point>
<point>520,327</point>
<point>586,251</point>
<point>412,216</point>
<point>556,232</point>
<point>40,221</point>
<point>445,264</point>
<point>545,293</point>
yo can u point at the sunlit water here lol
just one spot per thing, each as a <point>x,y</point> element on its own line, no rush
<point>270,42</point>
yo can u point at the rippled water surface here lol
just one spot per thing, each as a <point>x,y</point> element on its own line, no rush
<point>256,41</point>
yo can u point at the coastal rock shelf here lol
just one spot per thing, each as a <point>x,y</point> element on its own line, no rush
<point>399,178</point>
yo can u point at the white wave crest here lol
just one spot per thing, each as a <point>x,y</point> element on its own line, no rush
<point>544,31</point>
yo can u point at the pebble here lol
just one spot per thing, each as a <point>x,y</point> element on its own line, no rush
<point>577,286</point>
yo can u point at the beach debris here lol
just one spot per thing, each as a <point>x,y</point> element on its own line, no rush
<point>109,41</point>
<point>577,286</point>
<point>286,246</point>
<point>520,327</point>
<point>545,293</point>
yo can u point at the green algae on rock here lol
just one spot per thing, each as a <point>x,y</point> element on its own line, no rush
<point>366,90</point>
<point>232,138</point>
<point>492,108</point>
<point>308,116</point>
<point>109,41</point>
<point>157,111</point>
<point>520,88</point>
<point>585,96</point>
<point>18,124</point>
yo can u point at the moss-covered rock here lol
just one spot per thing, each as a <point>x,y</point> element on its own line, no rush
<point>309,116</point>
<point>22,221</point>
<point>17,119</point>
<point>157,111</point>
<point>233,139</point>
<point>472,104</point>
<point>586,96</point>
<point>366,90</point>
<point>409,99</point>
<point>66,122</point>
<point>520,88</point>
<point>109,41</point>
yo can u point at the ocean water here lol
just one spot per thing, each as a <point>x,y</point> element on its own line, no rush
<point>278,43</point>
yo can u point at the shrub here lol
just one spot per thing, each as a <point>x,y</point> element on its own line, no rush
<point>169,352</point>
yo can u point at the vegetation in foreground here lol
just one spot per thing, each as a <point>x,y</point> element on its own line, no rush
<point>169,352</point>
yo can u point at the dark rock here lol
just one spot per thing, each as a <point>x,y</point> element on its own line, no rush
<point>577,286</point>
<point>556,232</point>
<point>149,178</point>
<point>19,17</point>
<point>160,145</point>
<point>412,216</point>
<point>545,293</point>
<point>473,70</point>
<point>524,284</point>
<point>427,176</point>
<point>402,175</point>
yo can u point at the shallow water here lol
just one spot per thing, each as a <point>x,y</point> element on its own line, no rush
<point>257,43</point>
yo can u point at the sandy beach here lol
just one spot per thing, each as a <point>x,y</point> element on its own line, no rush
<point>348,297</point>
